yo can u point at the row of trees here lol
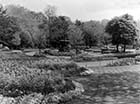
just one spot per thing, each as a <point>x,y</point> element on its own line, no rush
<point>41,30</point>
<point>22,28</point>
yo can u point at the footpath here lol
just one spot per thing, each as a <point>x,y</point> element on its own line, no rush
<point>116,69</point>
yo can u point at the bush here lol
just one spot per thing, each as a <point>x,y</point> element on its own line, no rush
<point>66,68</point>
<point>87,57</point>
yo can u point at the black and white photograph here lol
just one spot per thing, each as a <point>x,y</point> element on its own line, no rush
<point>69,51</point>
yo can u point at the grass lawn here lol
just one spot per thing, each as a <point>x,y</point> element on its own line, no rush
<point>121,88</point>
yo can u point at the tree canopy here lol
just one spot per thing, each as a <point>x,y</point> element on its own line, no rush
<point>123,30</point>
<point>75,35</point>
<point>9,29</point>
<point>58,28</point>
<point>23,28</point>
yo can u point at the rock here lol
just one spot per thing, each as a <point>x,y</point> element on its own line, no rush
<point>130,97</point>
<point>98,99</point>
<point>30,53</point>
<point>85,97</point>
<point>78,86</point>
<point>5,48</point>
<point>125,88</point>
<point>136,86</point>
<point>1,46</point>
<point>16,51</point>
<point>87,72</point>
<point>108,99</point>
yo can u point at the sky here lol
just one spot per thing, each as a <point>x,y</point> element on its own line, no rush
<point>84,10</point>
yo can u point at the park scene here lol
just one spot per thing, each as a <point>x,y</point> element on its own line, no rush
<point>46,58</point>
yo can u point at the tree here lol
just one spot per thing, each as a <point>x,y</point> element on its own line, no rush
<point>123,30</point>
<point>75,35</point>
<point>78,23</point>
<point>29,22</point>
<point>26,40</point>
<point>9,29</point>
<point>105,39</point>
<point>50,12</point>
<point>58,28</point>
<point>93,30</point>
<point>89,39</point>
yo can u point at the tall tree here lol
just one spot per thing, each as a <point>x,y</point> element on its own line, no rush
<point>9,29</point>
<point>50,12</point>
<point>29,22</point>
<point>59,28</point>
<point>123,30</point>
<point>75,35</point>
<point>26,40</point>
<point>93,31</point>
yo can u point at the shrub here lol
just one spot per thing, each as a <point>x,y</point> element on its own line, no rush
<point>66,68</point>
<point>88,57</point>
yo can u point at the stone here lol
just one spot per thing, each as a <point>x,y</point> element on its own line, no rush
<point>108,99</point>
<point>98,99</point>
<point>1,45</point>
<point>5,48</point>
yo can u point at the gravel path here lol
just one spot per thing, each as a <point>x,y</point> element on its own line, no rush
<point>95,64</point>
<point>117,69</point>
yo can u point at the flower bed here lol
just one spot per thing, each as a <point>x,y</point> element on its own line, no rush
<point>38,98</point>
<point>28,79</point>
